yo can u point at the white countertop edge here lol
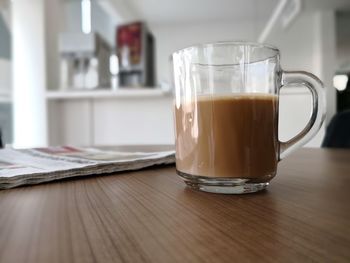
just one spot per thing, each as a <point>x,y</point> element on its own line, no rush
<point>133,93</point>
<point>106,94</point>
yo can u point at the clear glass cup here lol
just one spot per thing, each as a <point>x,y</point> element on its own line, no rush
<point>226,115</point>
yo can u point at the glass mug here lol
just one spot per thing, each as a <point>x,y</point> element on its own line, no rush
<point>226,115</point>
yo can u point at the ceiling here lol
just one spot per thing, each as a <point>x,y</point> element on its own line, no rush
<point>182,11</point>
<point>177,11</point>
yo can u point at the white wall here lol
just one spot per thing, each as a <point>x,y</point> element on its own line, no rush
<point>326,57</point>
<point>296,44</point>
<point>172,37</point>
<point>309,45</point>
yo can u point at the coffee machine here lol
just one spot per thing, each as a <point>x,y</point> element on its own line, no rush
<point>135,50</point>
<point>84,61</point>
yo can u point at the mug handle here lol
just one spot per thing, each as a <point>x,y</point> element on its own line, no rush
<point>315,86</point>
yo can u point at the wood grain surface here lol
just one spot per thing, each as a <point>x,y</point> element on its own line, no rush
<point>150,216</point>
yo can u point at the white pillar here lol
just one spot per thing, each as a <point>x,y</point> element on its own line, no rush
<point>35,57</point>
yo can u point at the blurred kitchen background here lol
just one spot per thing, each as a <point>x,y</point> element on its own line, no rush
<point>96,72</point>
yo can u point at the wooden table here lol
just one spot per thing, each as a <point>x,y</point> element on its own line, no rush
<point>150,216</point>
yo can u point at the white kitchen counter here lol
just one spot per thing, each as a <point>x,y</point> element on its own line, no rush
<point>105,117</point>
<point>143,116</point>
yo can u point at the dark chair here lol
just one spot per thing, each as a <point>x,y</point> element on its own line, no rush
<point>1,143</point>
<point>338,131</point>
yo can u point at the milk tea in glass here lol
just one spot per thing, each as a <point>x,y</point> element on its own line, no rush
<point>226,115</point>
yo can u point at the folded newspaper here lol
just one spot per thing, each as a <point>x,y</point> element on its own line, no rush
<point>33,166</point>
